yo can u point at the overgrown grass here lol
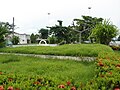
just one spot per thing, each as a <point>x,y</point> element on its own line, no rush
<point>58,70</point>
<point>117,52</point>
<point>67,50</point>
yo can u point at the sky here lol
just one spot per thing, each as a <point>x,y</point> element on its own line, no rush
<point>32,15</point>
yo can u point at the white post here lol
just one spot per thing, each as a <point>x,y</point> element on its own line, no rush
<point>48,23</point>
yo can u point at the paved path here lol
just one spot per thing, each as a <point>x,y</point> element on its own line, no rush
<point>54,57</point>
<point>52,45</point>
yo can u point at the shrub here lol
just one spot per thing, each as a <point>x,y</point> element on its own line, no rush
<point>3,31</point>
<point>104,32</point>
<point>107,73</point>
<point>15,40</point>
<point>52,40</point>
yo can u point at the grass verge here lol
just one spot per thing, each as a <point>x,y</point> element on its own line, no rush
<point>17,71</point>
<point>65,50</point>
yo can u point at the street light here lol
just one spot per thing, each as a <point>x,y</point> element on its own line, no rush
<point>48,24</point>
<point>13,27</point>
<point>89,8</point>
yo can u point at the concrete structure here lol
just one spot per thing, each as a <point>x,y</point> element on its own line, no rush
<point>42,41</point>
<point>114,43</point>
<point>23,38</point>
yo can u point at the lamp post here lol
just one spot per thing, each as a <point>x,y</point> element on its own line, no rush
<point>13,27</point>
<point>48,23</point>
<point>89,8</point>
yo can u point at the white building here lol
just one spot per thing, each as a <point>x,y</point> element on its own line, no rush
<point>23,38</point>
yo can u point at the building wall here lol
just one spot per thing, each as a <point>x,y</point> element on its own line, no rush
<point>23,38</point>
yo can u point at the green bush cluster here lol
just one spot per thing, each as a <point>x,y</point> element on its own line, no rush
<point>107,73</point>
<point>23,82</point>
<point>12,81</point>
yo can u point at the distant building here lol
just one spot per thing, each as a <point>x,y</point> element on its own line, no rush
<point>23,38</point>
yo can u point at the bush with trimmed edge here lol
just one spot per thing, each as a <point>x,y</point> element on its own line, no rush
<point>107,73</point>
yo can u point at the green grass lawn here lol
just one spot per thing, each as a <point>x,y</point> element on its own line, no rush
<point>26,71</point>
<point>66,50</point>
<point>55,69</point>
<point>117,52</point>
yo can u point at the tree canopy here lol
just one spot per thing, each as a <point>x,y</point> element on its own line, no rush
<point>104,32</point>
<point>3,31</point>
<point>87,22</point>
<point>33,38</point>
<point>88,28</point>
<point>43,33</point>
<point>60,32</point>
<point>15,40</point>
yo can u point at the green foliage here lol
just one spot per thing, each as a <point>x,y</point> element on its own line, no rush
<point>43,33</point>
<point>3,31</point>
<point>117,52</point>
<point>54,74</point>
<point>52,39</point>
<point>32,73</point>
<point>73,35</point>
<point>107,73</point>
<point>65,50</point>
<point>104,32</point>
<point>87,22</point>
<point>15,40</point>
<point>61,33</point>
<point>33,38</point>
<point>68,34</point>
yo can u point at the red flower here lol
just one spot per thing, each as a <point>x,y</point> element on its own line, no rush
<point>61,86</point>
<point>118,65</point>
<point>101,75</point>
<point>107,58</point>
<point>1,87</point>
<point>10,79</point>
<point>17,88</point>
<point>116,88</point>
<point>10,88</point>
<point>110,72</point>
<point>68,83</point>
<point>37,82</point>
<point>73,88</point>
<point>100,64</point>
<point>0,73</point>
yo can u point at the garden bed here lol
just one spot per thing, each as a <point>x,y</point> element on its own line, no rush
<point>107,73</point>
